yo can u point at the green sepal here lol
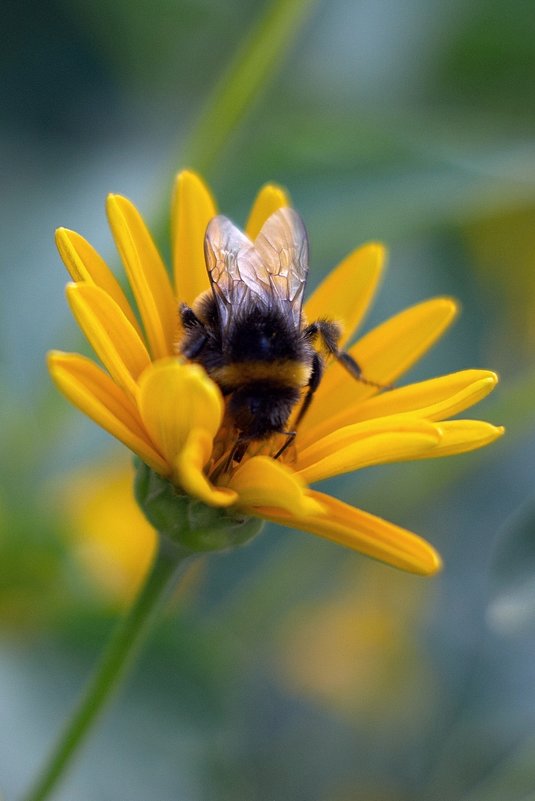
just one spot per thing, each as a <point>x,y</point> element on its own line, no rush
<point>187,521</point>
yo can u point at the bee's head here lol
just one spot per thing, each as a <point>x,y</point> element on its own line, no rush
<point>262,410</point>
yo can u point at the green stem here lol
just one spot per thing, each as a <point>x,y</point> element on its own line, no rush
<point>121,650</point>
<point>253,67</point>
<point>255,64</point>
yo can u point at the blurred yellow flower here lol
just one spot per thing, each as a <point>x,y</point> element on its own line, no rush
<point>501,246</point>
<point>170,413</point>
<point>110,534</point>
<point>358,651</point>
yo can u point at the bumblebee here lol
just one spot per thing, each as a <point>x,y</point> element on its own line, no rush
<point>248,330</point>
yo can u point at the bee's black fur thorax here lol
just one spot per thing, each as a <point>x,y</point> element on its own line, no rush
<point>247,329</point>
<point>262,362</point>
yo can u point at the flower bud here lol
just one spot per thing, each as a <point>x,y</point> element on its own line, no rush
<point>190,523</point>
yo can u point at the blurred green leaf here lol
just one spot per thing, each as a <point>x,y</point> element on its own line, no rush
<point>491,57</point>
<point>511,778</point>
<point>254,65</point>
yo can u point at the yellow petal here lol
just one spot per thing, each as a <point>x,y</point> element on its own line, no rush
<point>461,436</point>
<point>261,481</point>
<point>347,291</point>
<point>113,338</point>
<point>383,354</point>
<point>94,393</point>
<point>434,399</point>
<point>147,275</point>
<point>86,265</point>
<point>193,208</point>
<point>175,399</point>
<point>365,444</point>
<point>364,532</point>
<point>189,473</point>
<point>270,198</point>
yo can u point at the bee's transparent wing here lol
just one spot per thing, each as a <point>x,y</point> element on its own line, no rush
<point>282,245</point>
<point>227,252</point>
<point>273,269</point>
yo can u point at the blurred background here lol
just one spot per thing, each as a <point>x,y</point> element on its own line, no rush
<point>292,669</point>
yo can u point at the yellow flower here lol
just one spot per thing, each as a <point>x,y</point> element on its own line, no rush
<point>357,650</point>
<point>171,414</point>
<point>111,537</point>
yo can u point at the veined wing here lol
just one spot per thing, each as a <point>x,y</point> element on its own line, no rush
<point>273,269</point>
<point>230,259</point>
<point>283,248</point>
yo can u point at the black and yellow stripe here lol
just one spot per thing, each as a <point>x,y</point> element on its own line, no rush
<point>287,372</point>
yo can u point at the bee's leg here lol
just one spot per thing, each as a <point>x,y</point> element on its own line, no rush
<point>188,318</point>
<point>329,333</point>
<point>313,383</point>
<point>290,436</point>
<point>354,369</point>
<point>237,453</point>
<point>197,338</point>
<point>352,366</point>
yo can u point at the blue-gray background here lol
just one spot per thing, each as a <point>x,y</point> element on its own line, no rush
<point>293,669</point>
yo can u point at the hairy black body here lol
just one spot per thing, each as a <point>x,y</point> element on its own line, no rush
<point>261,363</point>
<point>247,331</point>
